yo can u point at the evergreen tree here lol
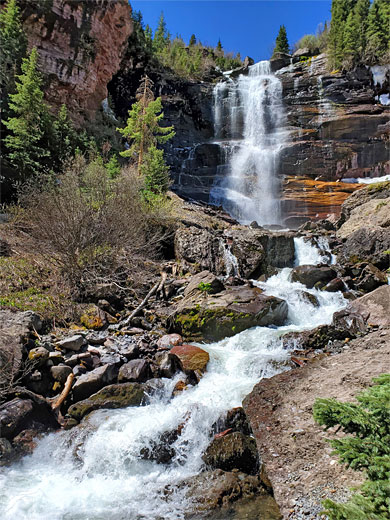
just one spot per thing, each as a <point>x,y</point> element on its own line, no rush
<point>13,45</point>
<point>149,38</point>
<point>161,36</point>
<point>155,172</point>
<point>361,15</point>
<point>378,35</point>
<point>64,138</point>
<point>219,45</point>
<point>367,449</point>
<point>350,39</point>
<point>192,40</point>
<point>29,126</point>
<point>340,11</point>
<point>281,42</point>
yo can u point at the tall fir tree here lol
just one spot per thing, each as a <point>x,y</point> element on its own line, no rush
<point>281,42</point>
<point>340,11</point>
<point>64,139</point>
<point>350,38</point>
<point>219,45</point>
<point>13,45</point>
<point>161,36</point>
<point>378,34</point>
<point>192,40</point>
<point>29,124</point>
<point>361,11</point>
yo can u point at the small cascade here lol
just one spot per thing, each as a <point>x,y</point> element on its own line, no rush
<point>248,115</point>
<point>307,254</point>
<point>96,471</point>
<point>230,261</point>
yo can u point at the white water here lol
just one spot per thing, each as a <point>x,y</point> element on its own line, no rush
<point>94,472</point>
<point>248,115</point>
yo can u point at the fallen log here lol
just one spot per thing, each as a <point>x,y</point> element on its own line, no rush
<point>157,287</point>
<point>55,405</point>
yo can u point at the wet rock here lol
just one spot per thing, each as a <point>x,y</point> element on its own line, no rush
<point>110,397</point>
<point>309,298</point>
<point>60,373</point>
<point>191,358</point>
<point>169,340</point>
<point>233,451</point>
<point>72,343</point>
<point>162,451</point>
<point>167,364</point>
<point>349,322</point>
<point>91,382</point>
<point>137,370</point>
<point>337,284</point>
<point>319,338</point>
<point>310,275</point>
<point>6,451</point>
<point>25,442</point>
<point>234,420</point>
<point>180,386</point>
<point>214,317</point>
<point>21,414</point>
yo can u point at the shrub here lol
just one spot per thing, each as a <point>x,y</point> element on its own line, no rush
<point>367,449</point>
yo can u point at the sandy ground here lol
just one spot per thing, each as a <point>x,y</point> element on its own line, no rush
<point>297,458</point>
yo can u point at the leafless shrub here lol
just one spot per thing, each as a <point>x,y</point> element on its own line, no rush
<point>12,372</point>
<point>92,227</point>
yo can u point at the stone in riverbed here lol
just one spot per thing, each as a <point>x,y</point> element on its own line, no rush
<point>233,451</point>
<point>72,343</point>
<point>191,358</point>
<point>91,382</point>
<point>136,370</point>
<point>60,373</point>
<point>110,397</point>
<point>311,275</point>
<point>169,340</point>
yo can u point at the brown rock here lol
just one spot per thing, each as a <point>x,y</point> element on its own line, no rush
<point>169,340</point>
<point>191,358</point>
<point>374,306</point>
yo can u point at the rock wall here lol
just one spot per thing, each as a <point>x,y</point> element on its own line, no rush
<point>80,47</point>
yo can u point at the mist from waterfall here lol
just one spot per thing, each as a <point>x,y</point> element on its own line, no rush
<point>248,117</point>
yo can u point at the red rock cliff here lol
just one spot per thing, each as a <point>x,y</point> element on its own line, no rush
<point>80,45</point>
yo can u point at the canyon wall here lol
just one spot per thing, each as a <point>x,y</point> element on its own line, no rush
<point>80,46</point>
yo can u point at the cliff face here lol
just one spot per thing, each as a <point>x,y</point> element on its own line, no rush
<point>80,47</point>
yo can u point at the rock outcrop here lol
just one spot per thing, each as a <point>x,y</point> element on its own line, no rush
<point>80,46</point>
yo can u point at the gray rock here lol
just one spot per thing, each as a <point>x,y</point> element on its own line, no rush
<point>310,275</point>
<point>233,451</point>
<point>91,382</point>
<point>6,451</point>
<point>169,341</point>
<point>72,343</point>
<point>136,370</point>
<point>60,373</point>
<point>39,355</point>
<point>167,364</point>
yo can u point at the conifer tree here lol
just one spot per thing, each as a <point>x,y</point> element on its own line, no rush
<point>13,45</point>
<point>378,35</point>
<point>29,124</point>
<point>155,172</point>
<point>367,449</point>
<point>192,40</point>
<point>361,11</point>
<point>64,138</point>
<point>281,42</point>
<point>161,36</point>
<point>340,11</point>
<point>219,45</point>
<point>350,39</point>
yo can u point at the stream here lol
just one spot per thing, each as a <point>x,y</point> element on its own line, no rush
<point>94,471</point>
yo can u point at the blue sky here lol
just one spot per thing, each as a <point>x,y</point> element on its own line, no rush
<point>246,26</point>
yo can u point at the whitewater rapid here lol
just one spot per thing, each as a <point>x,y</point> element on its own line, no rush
<point>94,471</point>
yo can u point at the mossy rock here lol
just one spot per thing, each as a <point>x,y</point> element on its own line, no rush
<point>109,397</point>
<point>93,318</point>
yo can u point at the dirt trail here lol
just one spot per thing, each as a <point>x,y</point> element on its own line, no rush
<point>298,461</point>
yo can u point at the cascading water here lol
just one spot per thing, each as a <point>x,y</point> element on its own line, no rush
<point>248,114</point>
<point>95,472</point>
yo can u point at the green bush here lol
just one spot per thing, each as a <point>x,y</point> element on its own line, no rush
<point>367,449</point>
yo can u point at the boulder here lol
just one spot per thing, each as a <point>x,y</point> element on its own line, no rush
<point>6,451</point>
<point>337,284</point>
<point>310,275</point>
<point>74,342</point>
<point>370,278</point>
<point>91,382</point>
<point>374,306</point>
<point>234,420</point>
<point>136,370</point>
<point>23,413</point>
<point>366,245</point>
<point>167,363</point>
<point>110,397</point>
<point>169,341</point>
<point>214,317</point>
<point>233,451</point>
<point>93,317</point>
<point>39,355</point>
<point>198,249</point>
<point>191,358</point>
<point>60,373</point>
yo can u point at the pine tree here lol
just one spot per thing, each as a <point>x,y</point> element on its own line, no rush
<point>340,11</point>
<point>29,126</point>
<point>161,36</point>
<point>64,138</point>
<point>350,39</point>
<point>281,42</point>
<point>361,14</point>
<point>219,45</point>
<point>377,35</point>
<point>143,124</point>
<point>155,172</point>
<point>367,449</point>
<point>192,40</point>
<point>13,45</point>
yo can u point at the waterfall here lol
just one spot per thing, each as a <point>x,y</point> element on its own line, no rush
<point>248,116</point>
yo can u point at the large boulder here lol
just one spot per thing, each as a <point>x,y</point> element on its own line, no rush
<point>91,382</point>
<point>233,451</point>
<point>367,245</point>
<point>214,317</point>
<point>136,370</point>
<point>374,306</point>
<point>16,329</point>
<point>110,397</point>
<point>310,275</point>
<point>191,358</point>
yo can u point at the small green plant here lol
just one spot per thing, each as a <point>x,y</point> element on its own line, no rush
<point>367,449</point>
<point>205,287</point>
